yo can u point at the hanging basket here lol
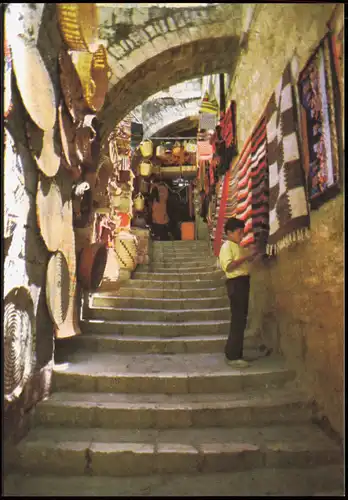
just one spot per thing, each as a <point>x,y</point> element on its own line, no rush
<point>145,168</point>
<point>91,267</point>
<point>79,25</point>
<point>146,148</point>
<point>190,147</point>
<point>176,149</point>
<point>139,203</point>
<point>126,250</point>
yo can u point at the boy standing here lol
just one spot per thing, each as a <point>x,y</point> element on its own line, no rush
<point>235,262</point>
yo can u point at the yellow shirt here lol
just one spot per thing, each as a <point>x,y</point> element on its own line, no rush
<point>229,252</point>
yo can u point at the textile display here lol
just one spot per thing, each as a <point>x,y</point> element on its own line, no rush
<point>221,215</point>
<point>259,185</point>
<point>319,122</point>
<point>228,125</point>
<point>204,150</point>
<point>244,193</point>
<point>288,208</point>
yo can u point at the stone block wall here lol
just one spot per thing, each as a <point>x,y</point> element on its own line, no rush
<point>297,297</point>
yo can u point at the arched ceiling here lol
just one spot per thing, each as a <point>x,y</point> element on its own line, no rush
<point>155,48</point>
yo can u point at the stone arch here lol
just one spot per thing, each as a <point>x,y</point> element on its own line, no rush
<point>169,67</point>
<point>170,115</point>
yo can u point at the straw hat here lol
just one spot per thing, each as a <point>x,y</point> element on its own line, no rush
<point>57,288</point>
<point>49,209</point>
<point>35,86</point>
<point>42,147</point>
<point>19,341</point>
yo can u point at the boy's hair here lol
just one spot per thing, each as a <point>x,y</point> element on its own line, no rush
<point>232,224</point>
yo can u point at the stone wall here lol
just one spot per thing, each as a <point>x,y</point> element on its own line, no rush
<point>297,297</point>
<point>26,255</point>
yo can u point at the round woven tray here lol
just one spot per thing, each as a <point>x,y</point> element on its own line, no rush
<point>71,87</point>
<point>70,326</point>
<point>35,86</point>
<point>19,341</point>
<point>42,147</point>
<point>91,266</point>
<point>57,288</point>
<point>49,210</point>
<point>67,135</point>
<point>79,25</point>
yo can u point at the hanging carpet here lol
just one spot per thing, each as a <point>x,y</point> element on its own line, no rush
<point>288,209</point>
<point>319,122</point>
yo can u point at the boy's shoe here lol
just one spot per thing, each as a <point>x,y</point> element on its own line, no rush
<point>237,363</point>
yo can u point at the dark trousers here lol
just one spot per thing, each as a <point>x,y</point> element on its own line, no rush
<point>160,231</point>
<point>238,294</point>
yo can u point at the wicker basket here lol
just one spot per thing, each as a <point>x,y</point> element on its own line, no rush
<point>91,265</point>
<point>139,202</point>
<point>57,288</point>
<point>126,250</point>
<point>49,210</point>
<point>145,168</point>
<point>146,148</point>
<point>79,25</point>
<point>19,341</point>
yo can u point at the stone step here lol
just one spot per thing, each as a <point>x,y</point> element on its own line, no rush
<point>131,290</point>
<point>124,452</point>
<point>165,315</point>
<point>163,411</point>
<point>161,266</point>
<point>191,259</point>
<point>179,245</point>
<point>181,254</point>
<point>169,345</point>
<point>174,268</point>
<point>156,328</point>
<point>176,283</point>
<point>303,481</point>
<point>170,374</point>
<point>159,303</point>
<point>180,275</point>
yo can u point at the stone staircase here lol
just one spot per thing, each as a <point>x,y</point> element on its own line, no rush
<point>144,404</point>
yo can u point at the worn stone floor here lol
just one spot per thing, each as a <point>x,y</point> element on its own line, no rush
<point>145,405</point>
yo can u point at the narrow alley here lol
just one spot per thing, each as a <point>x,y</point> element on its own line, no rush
<point>144,131</point>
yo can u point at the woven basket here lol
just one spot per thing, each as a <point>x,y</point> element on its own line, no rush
<point>139,202</point>
<point>35,85</point>
<point>19,341</point>
<point>71,87</point>
<point>91,266</point>
<point>67,131</point>
<point>145,168</point>
<point>70,326</point>
<point>79,25</point>
<point>146,148</point>
<point>126,250</point>
<point>49,211</point>
<point>57,288</point>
